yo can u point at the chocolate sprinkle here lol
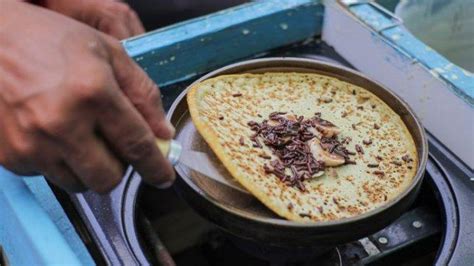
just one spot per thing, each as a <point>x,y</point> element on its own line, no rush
<point>379,173</point>
<point>302,215</point>
<point>396,163</point>
<point>376,126</point>
<point>354,126</point>
<point>327,100</point>
<point>221,117</point>
<point>242,141</point>
<point>320,209</point>
<point>359,149</point>
<point>406,158</point>
<point>373,165</point>
<point>287,139</point>
<point>256,142</point>
<point>237,94</point>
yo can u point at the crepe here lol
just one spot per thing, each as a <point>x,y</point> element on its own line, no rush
<point>221,108</point>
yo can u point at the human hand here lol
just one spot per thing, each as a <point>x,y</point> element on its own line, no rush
<point>109,16</point>
<point>73,105</point>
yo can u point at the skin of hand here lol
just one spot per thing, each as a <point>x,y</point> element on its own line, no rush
<point>74,107</point>
<point>109,16</point>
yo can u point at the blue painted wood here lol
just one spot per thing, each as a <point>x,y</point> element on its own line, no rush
<point>181,51</point>
<point>460,81</point>
<point>31,235</point>
<point>42,192</point>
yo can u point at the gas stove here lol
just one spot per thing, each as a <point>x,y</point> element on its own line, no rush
<point>137,222</point>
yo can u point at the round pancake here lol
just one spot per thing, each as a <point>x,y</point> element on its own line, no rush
<point>221,107</point>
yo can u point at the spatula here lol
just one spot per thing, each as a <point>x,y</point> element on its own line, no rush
<point>197,161</point>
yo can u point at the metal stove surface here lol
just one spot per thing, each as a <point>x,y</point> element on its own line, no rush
<point>438,228</point>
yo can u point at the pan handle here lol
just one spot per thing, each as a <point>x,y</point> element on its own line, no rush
<point>170,148</point>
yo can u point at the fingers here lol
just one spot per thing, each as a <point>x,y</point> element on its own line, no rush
<point>95,165</point>
<point>135,25</point>
<point>118,19</point>
<point>132,139</point>
<point>61,175</point>
<point>140,90</point>
<point>119,30</point>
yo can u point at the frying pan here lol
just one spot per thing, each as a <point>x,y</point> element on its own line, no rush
<point>244,216</point>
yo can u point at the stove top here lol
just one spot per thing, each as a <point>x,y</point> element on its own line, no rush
<point>156,224</point>
<point>413,239</point>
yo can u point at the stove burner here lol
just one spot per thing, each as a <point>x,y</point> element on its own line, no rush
<point>221,248</point>
<point>287,255</point>
<point>415,236</point>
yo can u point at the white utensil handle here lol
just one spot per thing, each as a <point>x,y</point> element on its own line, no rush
<point>170,148</point>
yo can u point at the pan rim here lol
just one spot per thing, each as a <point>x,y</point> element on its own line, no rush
<point>282,222</point>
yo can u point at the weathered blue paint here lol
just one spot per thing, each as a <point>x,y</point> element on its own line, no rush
<point>42,192</point>
<point>33,228</point>
<point>460,81</point>
<point>169,55</point>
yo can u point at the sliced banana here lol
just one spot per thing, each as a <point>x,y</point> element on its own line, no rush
<point>328,131</point>
<point>290,117</point>
<point>315,132</point>
<point>318,174</point>
<point>319,153</point>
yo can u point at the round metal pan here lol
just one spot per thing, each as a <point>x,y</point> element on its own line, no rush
<point>245,216</point>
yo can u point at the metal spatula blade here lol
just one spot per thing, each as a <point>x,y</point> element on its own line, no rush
<point>200,162</point>
<point>197,161</point>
